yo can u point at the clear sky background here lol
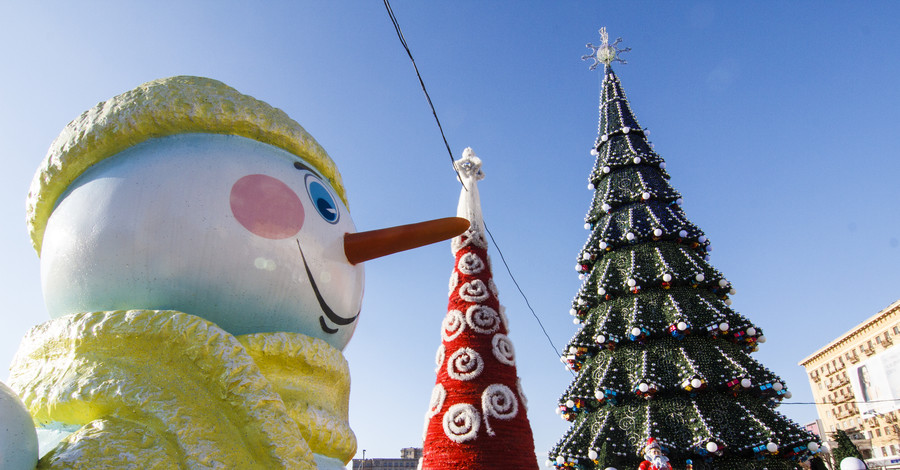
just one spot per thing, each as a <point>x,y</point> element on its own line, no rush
<point>780,124</point>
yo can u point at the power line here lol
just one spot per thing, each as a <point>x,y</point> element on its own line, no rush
<point>390,11</point>
<point>387,5</point>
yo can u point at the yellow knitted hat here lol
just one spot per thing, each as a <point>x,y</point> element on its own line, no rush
<point>168,106</point>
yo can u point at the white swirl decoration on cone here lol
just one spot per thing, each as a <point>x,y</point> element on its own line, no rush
<point>465,364</point>
<point>503,318</point>
<point>503,349</point>
<point>438,395</point>
<point>469,237</point>
<point>454,283</point>
<point>521,393</point>
<point>474,291</point>
<point>462,422</point>
<point>470,263</point>
<point>439,357</point>
<point>493,288</point>
<point>498,401</point>
<point>483,319</point>
<point>454,324</point>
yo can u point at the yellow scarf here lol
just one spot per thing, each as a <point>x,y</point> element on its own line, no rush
<point>164,389</point>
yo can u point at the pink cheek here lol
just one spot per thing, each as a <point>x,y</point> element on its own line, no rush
<point>266,207</point>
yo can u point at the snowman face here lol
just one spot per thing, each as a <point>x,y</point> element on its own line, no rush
<point>235,231</point>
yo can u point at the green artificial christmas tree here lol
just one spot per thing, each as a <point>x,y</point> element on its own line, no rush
<point>816,463</point>
<point>845,447</point>
<point>660,353</point>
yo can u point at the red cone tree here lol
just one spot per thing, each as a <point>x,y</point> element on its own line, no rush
<point>477,418</point>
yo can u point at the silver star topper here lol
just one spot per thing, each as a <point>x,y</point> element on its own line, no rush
<point>605,53</point>
<point>469,166</point>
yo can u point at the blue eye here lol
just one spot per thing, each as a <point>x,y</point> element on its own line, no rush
<point>322,199</point>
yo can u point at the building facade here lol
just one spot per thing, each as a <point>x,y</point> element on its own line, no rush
<point>409,459</point>
<point>855,381</point>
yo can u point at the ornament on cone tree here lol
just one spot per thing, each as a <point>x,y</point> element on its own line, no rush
<point>654,457</point>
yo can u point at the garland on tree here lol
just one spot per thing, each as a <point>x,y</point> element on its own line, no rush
<point>660,353</point>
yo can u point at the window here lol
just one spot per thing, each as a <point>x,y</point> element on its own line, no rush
<point>878,432</point>
<point>868,434</point>
<point>897,330</point>
<point>883,452</point>
<point>887,431</point>
<point>878,339</point>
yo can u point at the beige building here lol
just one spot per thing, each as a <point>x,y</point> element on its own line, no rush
<point>855,380</point>
<point>409,460</point>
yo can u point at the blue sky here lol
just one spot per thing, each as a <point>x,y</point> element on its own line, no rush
<point>780,124</point>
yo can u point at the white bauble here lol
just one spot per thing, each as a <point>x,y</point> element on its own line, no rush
<point>852,463</point>
<point>18,438</point>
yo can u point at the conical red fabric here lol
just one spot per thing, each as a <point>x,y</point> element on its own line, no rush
<point>477,416</point>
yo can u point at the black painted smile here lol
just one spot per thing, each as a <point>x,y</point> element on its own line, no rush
<point>334,317</point>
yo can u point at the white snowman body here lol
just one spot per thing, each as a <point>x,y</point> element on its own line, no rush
<point>233,230</point>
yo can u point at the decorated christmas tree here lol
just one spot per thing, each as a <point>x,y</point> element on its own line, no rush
<point>477,416</point>
<point>660,360</point>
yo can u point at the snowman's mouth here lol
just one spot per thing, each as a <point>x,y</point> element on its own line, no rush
<point>328,312</point>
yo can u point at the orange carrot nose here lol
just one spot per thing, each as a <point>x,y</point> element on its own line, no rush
<point>364,246</point>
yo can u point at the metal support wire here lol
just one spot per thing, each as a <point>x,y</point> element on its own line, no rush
<point>387,5</point>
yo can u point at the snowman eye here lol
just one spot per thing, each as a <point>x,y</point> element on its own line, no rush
<point>322,199</point>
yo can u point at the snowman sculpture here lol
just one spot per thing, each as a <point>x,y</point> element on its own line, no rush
<point>203,275</point>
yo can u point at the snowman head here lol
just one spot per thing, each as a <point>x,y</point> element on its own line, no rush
<point>184,194</point>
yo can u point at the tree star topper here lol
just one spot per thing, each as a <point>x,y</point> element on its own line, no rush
<point>605,53</point>
<point>469,165</point>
